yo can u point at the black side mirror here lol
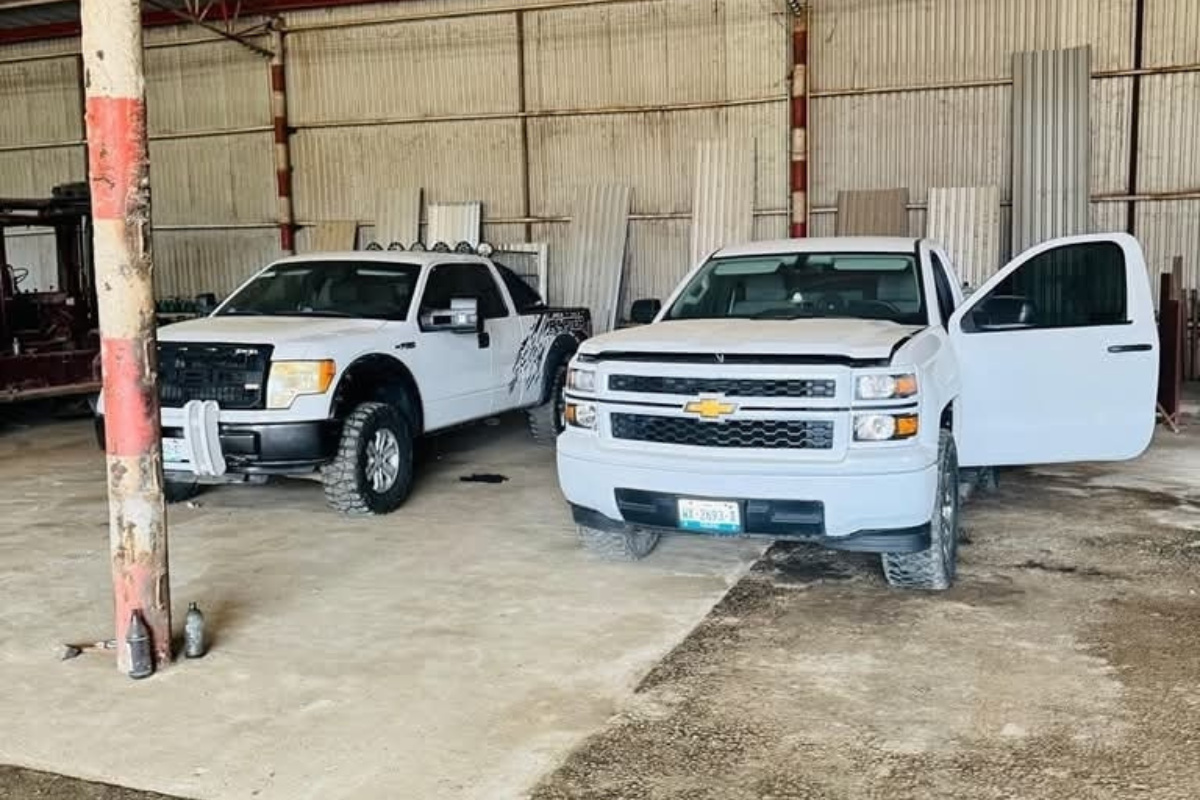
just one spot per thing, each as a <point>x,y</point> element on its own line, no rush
<point>644,311</point>
<point>1004,312</point>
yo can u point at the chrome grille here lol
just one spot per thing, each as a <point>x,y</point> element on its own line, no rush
<point>732,387</point>
<point>753,433</point>
<point>235,375</point>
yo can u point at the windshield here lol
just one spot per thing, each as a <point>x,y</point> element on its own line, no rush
<point>802,285</point>
<point>371,290</point>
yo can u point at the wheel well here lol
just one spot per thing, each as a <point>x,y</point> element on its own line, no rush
<point>947,421</point>
<point>562,349</point>
<point>383,379</point>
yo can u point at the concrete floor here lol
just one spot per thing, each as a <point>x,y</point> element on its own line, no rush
<point>458,648</point>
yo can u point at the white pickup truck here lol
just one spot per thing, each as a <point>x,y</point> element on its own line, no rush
<point>335,362</point>
<point>829,390</point>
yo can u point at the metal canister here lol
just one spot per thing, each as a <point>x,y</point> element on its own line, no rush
<point>141,654</point>
<point>194,644</point>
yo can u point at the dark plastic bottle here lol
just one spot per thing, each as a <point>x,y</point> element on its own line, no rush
<point>141,654</point>
<point>194,644</point>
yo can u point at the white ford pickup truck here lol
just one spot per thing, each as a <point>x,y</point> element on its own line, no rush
<point>333,363</point>
<point>828,390</point>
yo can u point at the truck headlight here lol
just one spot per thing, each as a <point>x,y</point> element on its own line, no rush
<point>884,427</point>
<point>290,379</point>
<point>885,387</point>
<point>581,415</point>
<point>581,380</point>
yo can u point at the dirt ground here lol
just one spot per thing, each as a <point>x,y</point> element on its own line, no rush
<point>1064,664</point>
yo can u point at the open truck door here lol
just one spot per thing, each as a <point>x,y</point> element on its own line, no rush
<point>1058,356</point>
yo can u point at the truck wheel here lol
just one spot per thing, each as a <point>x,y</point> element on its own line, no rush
<point>179,491</point>
<point>372,471</point>
<point>933,569</point>
<point>547,421</point>
<point>622,545</point>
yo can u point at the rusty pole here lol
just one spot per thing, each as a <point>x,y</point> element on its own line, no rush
<point>283,152</point>
<point>118,165</point>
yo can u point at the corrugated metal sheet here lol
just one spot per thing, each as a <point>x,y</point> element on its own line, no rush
<point>455,66</point>
<point>339,173</point>
<point>397,216</point>
<point>769,227</point>
<point>658,260</point>
<point>874,43</point>
<point>966,222</point>
<point>880,212</point>
<point>1169,143</point>
<point>33,173</point>
<point>41,102</point>
<point>1168,229</point>
<point>530,260</point>
<point>1108,217</point>
<point>723,208</point>
<point>1050,144</point>
<point>453,223</point>
<point>654,153</point>
<point>187,263</point>
<point>1110,123</point>
<point>595,259</point>
<point>920,139</point>
<point>206,87</point>
<point>222,179</point>
<point>334,236</point>
<point>650,53</point>
<point>1171,33</point>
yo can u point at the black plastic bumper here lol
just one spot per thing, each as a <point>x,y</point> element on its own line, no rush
<point>791,520</point>
<point>269,448</point>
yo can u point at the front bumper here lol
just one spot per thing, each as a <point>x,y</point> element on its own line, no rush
<point>856,505</point>
<point>267,448</point>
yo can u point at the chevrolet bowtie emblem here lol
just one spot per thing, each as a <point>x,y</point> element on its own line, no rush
<point>709,408</point>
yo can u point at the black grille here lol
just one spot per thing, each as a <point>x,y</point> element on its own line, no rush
<point>235,375</point>
<point>733,387</point>
<point>759,434</point>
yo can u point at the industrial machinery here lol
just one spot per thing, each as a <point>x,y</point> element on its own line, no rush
<point>49,337</point>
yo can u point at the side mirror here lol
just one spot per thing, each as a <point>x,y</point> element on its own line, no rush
<point>644,311</point>
<point>461,317</point>
<point>1003,312</point>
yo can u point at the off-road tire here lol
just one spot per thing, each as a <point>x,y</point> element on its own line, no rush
<point>180,491</point>
<point>348,489</point>
<point>621,545</point>
<point>933,569</point>
<point>546,421</point>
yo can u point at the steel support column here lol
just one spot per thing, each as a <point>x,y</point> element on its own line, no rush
<point>283,151</point>
<point>118,164</point>
<point>799,148</point>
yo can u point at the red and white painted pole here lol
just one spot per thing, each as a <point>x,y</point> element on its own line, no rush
<point>800,123</point>
<point>118,167</point>
<point>283,156</point>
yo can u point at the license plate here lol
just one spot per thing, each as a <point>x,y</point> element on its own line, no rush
<point>710,516</point>
<point>175,451</point>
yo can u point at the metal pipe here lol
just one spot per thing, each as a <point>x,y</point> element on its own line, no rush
<point>560,112</point>
<point>191,20</point>
<point>120,190</point>
<point>530,7</point>
<point>154,137</point>
<point>283,150</point>
<point>933,87</point>
<point>532,220</point>
<point>799,148</point>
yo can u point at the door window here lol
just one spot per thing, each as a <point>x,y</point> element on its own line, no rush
<point>450,281</point>
<point>945,295</point>
<point>1072,286</point>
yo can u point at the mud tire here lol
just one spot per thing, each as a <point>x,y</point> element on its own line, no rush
<point>621,545</point>
<point>348,487</point>
<point>933,569</point>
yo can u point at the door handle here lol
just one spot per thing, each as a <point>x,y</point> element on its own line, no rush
<point>1129,348</point>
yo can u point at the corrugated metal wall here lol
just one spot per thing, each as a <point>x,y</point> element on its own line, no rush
<point>919,94</point>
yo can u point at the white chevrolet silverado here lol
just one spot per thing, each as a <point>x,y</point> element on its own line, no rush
<point>829,390</point>
<point>333,363</point>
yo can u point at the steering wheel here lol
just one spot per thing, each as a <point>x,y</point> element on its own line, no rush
<point>831,302</point>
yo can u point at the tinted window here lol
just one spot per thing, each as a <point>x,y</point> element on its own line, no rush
<point>451,281</point>
<point>522,294</point>
<point>802,285</point>
<point>374,290</point>
<point>945,295</point>
<point>1073,286</point>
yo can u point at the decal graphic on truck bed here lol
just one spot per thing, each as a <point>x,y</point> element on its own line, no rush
<point>527,371</point>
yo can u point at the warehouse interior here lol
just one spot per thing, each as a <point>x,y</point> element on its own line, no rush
<point>466,646</point>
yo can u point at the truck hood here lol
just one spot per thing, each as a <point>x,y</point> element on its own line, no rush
<point>848,338</point>
<point>266,330</point>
